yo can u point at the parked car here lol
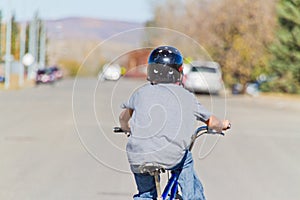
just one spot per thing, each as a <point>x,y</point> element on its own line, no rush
<point>45,76</point>
<point>57,72</point>
<point>111,72</point>
<point>203,77</point>
<point>48,75</point>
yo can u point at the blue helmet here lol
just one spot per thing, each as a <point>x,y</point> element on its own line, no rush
<point>165,65</point>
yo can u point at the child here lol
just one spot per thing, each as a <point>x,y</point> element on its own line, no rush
<point>162,121</point>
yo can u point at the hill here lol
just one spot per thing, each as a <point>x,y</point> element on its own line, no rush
<point>87,28</point>
<point>76,38</point>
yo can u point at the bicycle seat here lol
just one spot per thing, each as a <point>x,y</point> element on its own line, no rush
<point>151,168</point>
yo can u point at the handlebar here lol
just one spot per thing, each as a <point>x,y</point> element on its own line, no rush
<point>120,130</point>
<point>198,132</point>
<point>205,130</point>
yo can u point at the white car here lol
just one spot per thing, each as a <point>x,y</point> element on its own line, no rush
<point>111,72</point>
<point>203,77</point>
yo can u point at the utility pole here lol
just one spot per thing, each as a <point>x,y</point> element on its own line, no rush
<point>37,38</point>
<point>42,49</point>
<point>0,35</point>
<point>22,53</point>
<point>32,45</point>
<point>8,52</point>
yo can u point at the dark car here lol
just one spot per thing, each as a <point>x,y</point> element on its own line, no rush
<point>57,72</point>
<point>45,76</point>
<point>48,75</point>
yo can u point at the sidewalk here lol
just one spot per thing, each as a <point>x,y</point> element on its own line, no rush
<point>277,101</point>
<point>282,101</point>
<point>14,84</point>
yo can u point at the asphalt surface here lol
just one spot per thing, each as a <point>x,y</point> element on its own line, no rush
<point>56,143</point>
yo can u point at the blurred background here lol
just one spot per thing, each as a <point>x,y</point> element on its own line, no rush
<point>67,66</point>
<point>253,41</point>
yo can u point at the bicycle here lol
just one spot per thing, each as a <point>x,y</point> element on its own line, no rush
<point>171,188</point>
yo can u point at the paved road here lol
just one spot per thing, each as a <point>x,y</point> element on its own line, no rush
<point>49,152</point>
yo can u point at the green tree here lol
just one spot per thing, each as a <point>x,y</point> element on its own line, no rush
<point>27,38</point>
<point>286,50</point>
<point>15,50</point>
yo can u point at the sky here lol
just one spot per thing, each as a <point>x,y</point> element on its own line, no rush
<point>125,10</point>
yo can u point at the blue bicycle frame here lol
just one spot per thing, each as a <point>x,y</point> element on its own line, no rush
<point>172,186</point>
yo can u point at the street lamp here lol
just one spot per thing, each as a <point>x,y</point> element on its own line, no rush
<point>28,61</point>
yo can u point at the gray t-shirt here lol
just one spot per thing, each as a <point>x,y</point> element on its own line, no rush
<point>162,124</point>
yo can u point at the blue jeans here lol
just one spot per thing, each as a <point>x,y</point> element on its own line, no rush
<point>190,184</point>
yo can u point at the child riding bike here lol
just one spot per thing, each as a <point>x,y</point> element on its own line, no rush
<point>162,115</point>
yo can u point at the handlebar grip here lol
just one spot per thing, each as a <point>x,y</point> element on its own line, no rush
<point>118,130</point>
<point>213,131</point>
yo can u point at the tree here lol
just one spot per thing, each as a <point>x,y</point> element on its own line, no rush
<point>286,50</point>
<point>235,33</point>
<point>15,50</point>
<point>242,31</point>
